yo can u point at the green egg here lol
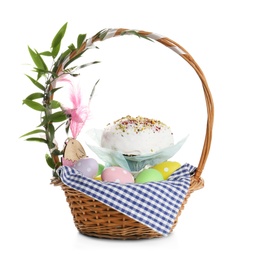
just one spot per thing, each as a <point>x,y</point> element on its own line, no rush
<point>149,175</point>
<point>100,169</point>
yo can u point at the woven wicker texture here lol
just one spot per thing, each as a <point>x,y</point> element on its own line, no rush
<point>92,217</point>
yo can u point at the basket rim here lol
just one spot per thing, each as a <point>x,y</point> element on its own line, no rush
<point>60,68</point>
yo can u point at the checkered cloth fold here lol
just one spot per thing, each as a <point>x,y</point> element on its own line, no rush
<point>155,204</point>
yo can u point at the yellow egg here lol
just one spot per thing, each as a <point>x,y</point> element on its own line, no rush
<point>98,178</point>
<point>167,168</point>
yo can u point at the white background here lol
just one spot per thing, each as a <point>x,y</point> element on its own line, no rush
<point>36,222</point>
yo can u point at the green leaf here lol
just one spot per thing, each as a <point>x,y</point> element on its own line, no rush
<point>60,59</point>
<point>51,145</point>
<point>88,64</point>
<point>72,69</point>
<point>56,152</point>
<point>67,128</point>
<point>80,40</point>
<point>57,117</point>
<point>38,61</point>
<point>35,96</point>
<point>34,132</point>
<point>72,47</point>
<point>49,161</point>
<point>93,89</point>
<point>137,34</point>
<point>56,50</point>
<point>59,126</point>
<point>55,104</point>
<point>69,70</point>
<point>75,74</point>
<point>51,132</point>
<point>56,43</point>
<point>102,34</point>
<point>36,83</point>
<point>99,33</point>
<point>35,139</point>
<point>77,56</point>
<point>52,91</point>
<point>43,122</point>
<point>46,53</point>
<point>43,71</point>
<point>34,105</point>
<point>58,37</point>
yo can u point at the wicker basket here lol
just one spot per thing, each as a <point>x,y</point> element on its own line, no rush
<point>93,218</point>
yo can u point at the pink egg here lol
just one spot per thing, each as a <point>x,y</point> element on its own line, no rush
<point>88,167</point>
<point>117,174</point>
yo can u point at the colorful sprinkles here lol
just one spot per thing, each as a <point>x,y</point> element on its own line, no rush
<point>138,124</point>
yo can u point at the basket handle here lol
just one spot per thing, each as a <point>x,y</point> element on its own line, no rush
<point>110,33</point>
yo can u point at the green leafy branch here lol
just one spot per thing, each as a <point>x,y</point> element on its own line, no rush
<point>43,99</point>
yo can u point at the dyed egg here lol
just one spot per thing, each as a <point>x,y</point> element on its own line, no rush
<point>117,174</point>
<point>100,169</point>
<point>99,172</point>
<point>149,175</point>
<point>88,167</point>
<point>167,168</point>
<point>98,178</point>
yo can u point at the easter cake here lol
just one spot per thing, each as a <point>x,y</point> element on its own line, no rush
<point>137,136</point>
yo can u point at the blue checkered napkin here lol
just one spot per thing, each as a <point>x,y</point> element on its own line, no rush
<point>155,204</point>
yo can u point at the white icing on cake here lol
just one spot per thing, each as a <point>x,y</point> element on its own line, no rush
<point>137,136</point>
